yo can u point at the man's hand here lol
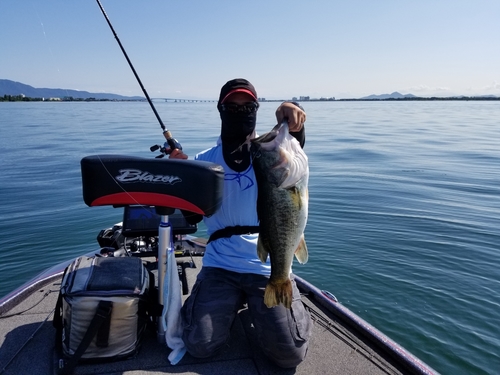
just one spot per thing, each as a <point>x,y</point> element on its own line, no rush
<point>177,154</point>
<point>296,116</point>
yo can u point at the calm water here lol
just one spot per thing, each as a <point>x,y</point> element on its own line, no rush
<point>404,207</point>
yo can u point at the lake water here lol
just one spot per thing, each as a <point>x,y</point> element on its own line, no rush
<point>404,211</point>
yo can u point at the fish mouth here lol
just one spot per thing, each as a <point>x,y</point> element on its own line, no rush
<point>265,141</point>
<point>273,138</point>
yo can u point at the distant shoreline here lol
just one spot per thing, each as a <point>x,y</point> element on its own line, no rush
<point>22,98</point>
<point>451,98</point>
<point>467,98</point>
<point>11,91</point>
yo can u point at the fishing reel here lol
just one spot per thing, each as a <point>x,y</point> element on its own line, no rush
<point>170,145</point>
<point>164,150</point>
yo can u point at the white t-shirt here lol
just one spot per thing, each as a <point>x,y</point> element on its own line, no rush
<point>237,253</point>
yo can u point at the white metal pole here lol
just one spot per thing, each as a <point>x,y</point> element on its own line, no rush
<point>164,244</point>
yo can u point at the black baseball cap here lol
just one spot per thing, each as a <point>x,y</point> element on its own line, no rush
<point>234,86</point>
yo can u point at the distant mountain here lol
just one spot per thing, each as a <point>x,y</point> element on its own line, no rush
<point>488,96</point>
<point>394,95</point>
<point>8,87</point>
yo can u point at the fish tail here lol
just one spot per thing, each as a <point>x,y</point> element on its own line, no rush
<point>277,292</point>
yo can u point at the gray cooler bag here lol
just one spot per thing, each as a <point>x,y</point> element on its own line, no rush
<point>102,309</point>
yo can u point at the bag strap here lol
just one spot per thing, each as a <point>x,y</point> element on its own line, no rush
<point>102,314</point>
<point>103,329</point>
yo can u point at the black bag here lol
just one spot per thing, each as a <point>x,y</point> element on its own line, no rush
<point>101,312</point>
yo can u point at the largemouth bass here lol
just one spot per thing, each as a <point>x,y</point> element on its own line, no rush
<point>282,173</point>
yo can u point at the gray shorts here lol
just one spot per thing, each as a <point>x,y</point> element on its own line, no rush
<point>217,296</point>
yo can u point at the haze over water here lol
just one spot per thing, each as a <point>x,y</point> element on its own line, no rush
<point>403,217</point>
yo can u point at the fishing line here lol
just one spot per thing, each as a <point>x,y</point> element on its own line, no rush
<point>166,133</point>
<point>29,308</point>
<point>170,141</point>
<point>48,45</point>
<point>11,360</point>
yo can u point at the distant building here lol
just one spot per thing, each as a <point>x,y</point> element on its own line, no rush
<point>304,98</point>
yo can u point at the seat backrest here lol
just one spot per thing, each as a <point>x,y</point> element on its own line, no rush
<point>119,180</point>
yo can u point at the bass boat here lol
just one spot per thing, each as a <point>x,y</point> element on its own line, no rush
<point>151,192</point>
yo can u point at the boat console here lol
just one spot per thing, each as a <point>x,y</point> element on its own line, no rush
<point>144,221</point>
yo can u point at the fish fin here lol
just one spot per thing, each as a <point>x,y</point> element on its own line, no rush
<point>301,253</point>
<point>262,253</point>
<point>277,292</point>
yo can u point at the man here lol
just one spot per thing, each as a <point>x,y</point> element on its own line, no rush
<point>232,273</point>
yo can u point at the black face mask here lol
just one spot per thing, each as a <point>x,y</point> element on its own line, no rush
<point>235,129</point>
<point>237,124</point>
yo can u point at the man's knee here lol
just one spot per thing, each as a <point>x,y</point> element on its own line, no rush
<point>286,341</point>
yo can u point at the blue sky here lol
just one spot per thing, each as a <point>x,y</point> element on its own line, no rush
<point>188,49</point>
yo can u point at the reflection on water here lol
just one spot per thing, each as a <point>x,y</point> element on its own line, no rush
<point>404,206</point>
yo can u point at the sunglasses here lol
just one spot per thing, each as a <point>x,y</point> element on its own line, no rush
<point>249,107</point>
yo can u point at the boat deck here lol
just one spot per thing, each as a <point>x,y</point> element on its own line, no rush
<point>27,344</point>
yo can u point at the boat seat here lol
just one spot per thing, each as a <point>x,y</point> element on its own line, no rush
<point>120,180</point>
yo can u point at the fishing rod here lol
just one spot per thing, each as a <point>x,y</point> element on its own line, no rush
<point>171,141</point>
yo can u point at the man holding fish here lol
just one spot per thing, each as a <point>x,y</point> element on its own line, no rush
<point>255,233</point>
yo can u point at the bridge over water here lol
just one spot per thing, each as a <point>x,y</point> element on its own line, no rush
<point>173,100</point>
